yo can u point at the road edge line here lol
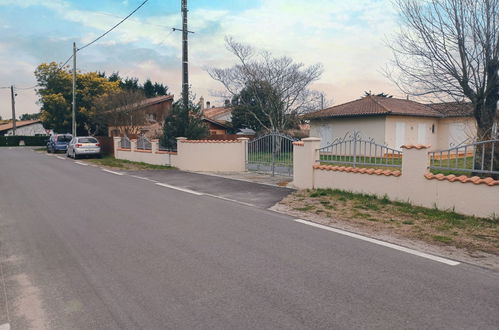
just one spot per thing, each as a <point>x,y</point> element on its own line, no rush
<point>179,189</point>
<point>382,243</point>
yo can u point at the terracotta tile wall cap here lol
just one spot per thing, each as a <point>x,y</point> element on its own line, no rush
<point>463,179</point>
<point>360,170</point>
<point>416,146</point>
<point>123,149</point>
<point>299,143</point>
<point>210,141</point>
<point>140,150</point>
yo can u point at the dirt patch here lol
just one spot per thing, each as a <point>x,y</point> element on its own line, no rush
<point>469,239</point>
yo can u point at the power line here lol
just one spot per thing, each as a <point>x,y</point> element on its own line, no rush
<point>56,72</point>
<point>90,43</point>
<point>133,20</point>
<point>115,26</point>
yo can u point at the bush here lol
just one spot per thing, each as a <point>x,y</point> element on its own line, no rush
<point>13,141</point>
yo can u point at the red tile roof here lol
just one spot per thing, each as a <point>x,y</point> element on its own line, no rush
<point>19,123</point>
<point>376,105</point>
<point>213,113</point>
<point>155,100</point>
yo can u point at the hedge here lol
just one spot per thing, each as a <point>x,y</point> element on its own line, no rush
<point>12,141</point>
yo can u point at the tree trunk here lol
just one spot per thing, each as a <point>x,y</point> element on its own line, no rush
<point>486,154</point>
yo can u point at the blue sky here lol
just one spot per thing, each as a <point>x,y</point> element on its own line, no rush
<point>347,37</point>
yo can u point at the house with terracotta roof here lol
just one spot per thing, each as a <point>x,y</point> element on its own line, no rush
<point>395,122</point>
<point>218,119</point>
<point>155,110</point>
<point>23,128</point>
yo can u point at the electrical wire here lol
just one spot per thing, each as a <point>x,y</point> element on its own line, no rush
<point>56,72</point>
<point>115,26</point>
<point>85,46</point>
<point>133,20</point>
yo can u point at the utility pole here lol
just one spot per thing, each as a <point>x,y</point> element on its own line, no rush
<point>13,101</point>
<point>185,55</point>
<point>73,121</point>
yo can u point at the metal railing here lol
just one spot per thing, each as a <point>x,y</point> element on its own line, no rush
<point>125,143</point>
<point>272,153</point>
<point>353,150</point>
<point>475,158</point>
<point>143,143</point>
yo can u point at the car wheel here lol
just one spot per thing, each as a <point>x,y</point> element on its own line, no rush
<point>75,156</point>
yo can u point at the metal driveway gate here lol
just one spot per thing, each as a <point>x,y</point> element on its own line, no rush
<point>271,153</point>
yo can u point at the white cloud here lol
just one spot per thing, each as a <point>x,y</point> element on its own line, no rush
<point>346,36</point>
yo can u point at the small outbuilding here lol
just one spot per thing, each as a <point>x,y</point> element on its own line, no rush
<point>23,128</point>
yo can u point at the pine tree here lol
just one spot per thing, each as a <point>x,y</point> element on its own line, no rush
<point>183,122</point>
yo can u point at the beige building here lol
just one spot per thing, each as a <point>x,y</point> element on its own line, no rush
<point>395,122</point>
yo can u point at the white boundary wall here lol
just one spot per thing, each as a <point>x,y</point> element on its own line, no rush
<point>471,196</point>
<point>191,155</point>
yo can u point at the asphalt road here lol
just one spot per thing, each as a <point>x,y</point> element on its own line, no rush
<point>81,248</point>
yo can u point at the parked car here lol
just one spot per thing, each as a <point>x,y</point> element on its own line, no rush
<point>83,146</point>
<point>58,142</point>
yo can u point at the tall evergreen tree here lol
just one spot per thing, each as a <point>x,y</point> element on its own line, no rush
<point>182,122</point>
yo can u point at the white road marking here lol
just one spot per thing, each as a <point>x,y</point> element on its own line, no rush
<point>113,172</point>
<point>230,200</point>
<point>140,177</point>
<point>5,326</point>
<point>375,241</point>
<point>80,163</point>
<point>61,157</point>
<point>180,189</point>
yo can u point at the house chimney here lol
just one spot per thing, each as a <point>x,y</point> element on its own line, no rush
<point>201,103</point>
<point>208,104</point>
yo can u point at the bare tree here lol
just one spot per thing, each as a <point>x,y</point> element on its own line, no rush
<point>449,49</point>
<point>288,83</point>
<point>123,110</point>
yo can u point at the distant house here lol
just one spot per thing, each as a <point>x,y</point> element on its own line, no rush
<point>395,122</point>
<point>23,128</point>
<point>218,119</point>
<point>155,109</point>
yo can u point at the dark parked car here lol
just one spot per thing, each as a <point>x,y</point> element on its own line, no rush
<point>59,142</point>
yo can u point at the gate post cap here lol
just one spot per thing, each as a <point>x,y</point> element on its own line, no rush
<point>243,139</point>
<point>181,138</point>
<point>311,139</point>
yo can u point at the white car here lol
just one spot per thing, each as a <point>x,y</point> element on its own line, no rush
<point>83,145</point>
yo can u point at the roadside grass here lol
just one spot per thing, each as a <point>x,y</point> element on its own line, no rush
<point>111,162</point>
<point>40,149</point>
<point>441,227</point>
